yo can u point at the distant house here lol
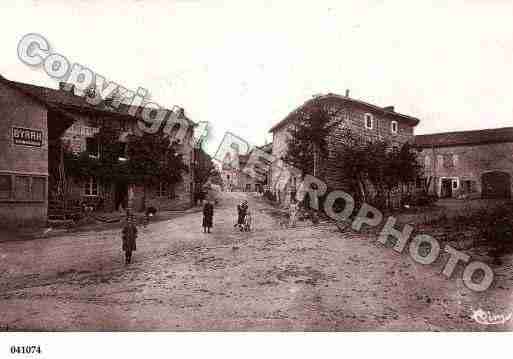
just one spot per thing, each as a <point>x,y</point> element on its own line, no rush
<point>31,175</point>
<point>468,163</point>
<point>236,179</point>
<point>366,120</point>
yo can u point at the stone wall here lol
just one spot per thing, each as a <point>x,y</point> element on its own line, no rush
<point>350,117</point>
<point>24,169</point>
<point>179,197</point>
<point>465,163</point>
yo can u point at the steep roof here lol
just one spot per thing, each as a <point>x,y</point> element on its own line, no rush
<point>66,100</point>
<point>389,110</point>
<point>267,147</point>
<point>461,138</point>
<point>243,159</point>
<point>57,127</point>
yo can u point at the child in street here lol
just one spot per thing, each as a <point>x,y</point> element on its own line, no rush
<point>293,210</point>
<point>208,216</point>
<point>248,220</point>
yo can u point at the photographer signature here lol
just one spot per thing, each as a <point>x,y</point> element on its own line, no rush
<point>488,318</point>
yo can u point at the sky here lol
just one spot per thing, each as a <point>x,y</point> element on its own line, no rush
<point>244,65</point>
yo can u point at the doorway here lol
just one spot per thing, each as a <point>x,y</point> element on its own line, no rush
<point>496,184</point>
<point>446,188</point>
<point>121,196</point>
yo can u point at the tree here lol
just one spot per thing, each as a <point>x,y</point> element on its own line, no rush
<point>307,142</point>
<point>374,169</point>
<point>204,167</point>
<point>151,159</point>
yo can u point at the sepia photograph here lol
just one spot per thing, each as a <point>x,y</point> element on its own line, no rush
<point>255,166</point>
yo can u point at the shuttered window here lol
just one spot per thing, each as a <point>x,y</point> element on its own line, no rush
<point>5,186</point>
<point>38,188</point>
<point>22,188</point>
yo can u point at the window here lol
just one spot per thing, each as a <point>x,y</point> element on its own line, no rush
<point>25,188</point>
<point>421,183</point>
<point>38,188</point>
<point>124,126</point>
<point>448,161</point>
<point>455,160</point>
<point>439,161</point>
<point>5,186</point>
<point>393,127</point>
<point>369,121</point>
<point>92,146</point>
<point>122,151</point>
<point>22,188</point>
<point>91,187</point>
<point>93,122</point>
<point>455,184</point>
<point>427,162</point>
<point>163,190</point>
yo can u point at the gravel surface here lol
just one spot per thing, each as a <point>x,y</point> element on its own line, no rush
<point>273,278</point>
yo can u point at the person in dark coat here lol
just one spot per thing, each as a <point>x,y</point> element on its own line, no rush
<point>208,216</point>
<point>242,209</point>
<point>129,236</point>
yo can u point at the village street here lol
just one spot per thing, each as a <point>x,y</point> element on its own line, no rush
<point>309,278</point>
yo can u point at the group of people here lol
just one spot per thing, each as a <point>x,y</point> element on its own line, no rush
<point>244,217</point>
<point>244,222</point>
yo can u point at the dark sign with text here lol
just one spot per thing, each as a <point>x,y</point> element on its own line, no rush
<point>27,137</point>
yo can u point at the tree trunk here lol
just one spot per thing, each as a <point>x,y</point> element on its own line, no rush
<point>362,190</point>
<point>315,160</point>
<point>144,197</point>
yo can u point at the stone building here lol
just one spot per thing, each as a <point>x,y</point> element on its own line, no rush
<point>235,178</point>
<point>468,163</point>
<point>66,121</point>
<point>368,121</point>
<point>27,126</point>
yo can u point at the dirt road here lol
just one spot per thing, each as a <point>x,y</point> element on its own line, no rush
<point>308,278</point>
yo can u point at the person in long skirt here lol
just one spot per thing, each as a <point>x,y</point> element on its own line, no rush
<point>208,216</point>
<point>129,236</point>
<point>242,209</point>
<point>293,209</point>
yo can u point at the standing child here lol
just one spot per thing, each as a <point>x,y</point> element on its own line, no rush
<point>293,209</point>
<point>129,236</point>
<point>248,220</point>
<point>208,216</point>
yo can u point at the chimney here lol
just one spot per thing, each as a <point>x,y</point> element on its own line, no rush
<point>347,92</point>
<point>64,86</point>
<point>389,108</point>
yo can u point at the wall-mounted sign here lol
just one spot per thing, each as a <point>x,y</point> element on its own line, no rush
<point>85,131</point>
<point>27,137</point>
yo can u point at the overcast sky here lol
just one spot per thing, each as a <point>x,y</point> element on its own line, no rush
<point>243,66</point>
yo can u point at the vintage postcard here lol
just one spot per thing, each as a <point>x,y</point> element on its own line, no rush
<point>263,166</point>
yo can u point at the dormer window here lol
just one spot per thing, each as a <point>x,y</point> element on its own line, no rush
<point>393,127</point>
<point>369,121</point>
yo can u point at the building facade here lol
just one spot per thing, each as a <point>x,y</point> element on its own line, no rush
<point>367,121</point>
<point>468,163</point>
<point>27,128</point>
<point>38,125</point>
